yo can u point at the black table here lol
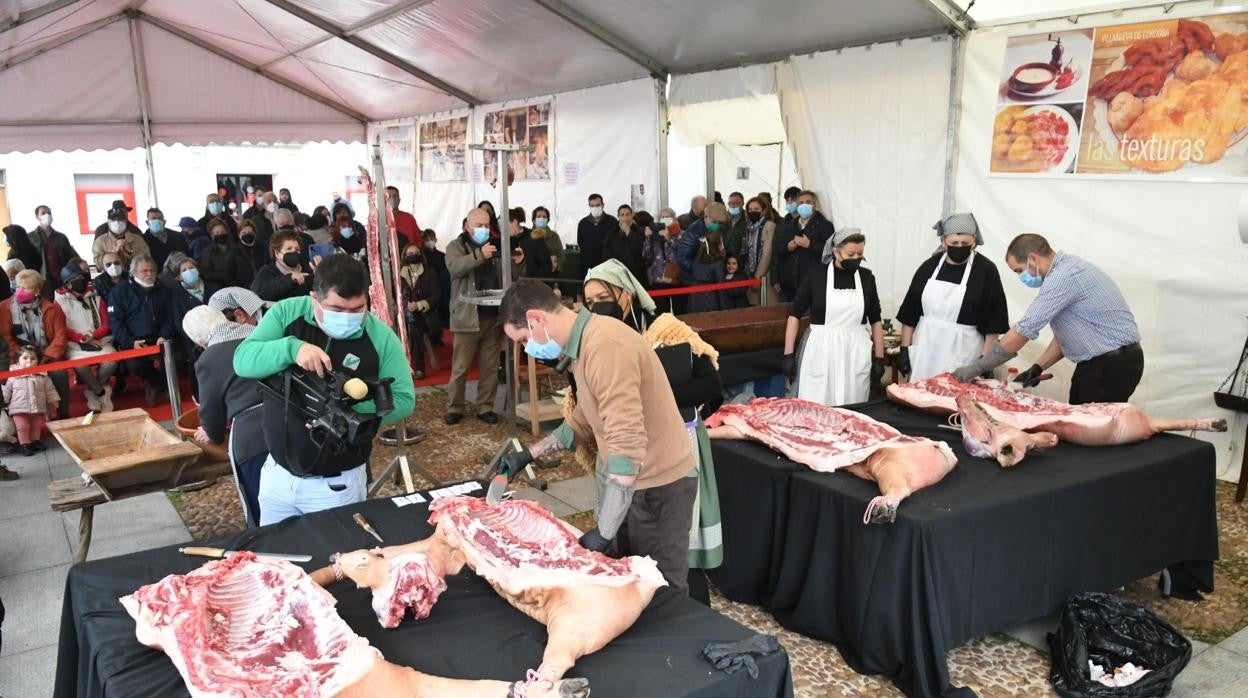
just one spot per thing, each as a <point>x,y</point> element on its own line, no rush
<point>471,634</point>
<point>983,550</point>
<point>740,367</point>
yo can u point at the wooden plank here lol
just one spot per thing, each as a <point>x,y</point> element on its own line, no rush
<point>72,494</point>
<point>743,329</point>
<point>150,459</point>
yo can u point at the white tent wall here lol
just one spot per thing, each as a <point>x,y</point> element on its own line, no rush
<point>184,176</point>
<point>868,127</point>
<point>611,134</point>
<point>686,173</point>
<point>1172,247</point>
<point>765,163</point>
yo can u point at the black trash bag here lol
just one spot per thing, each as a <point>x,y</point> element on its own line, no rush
<point>1106,630</point>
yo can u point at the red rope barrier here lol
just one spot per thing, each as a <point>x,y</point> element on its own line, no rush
<point>78,363</point>
<point>706,288</point>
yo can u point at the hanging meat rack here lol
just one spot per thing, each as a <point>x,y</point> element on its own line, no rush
<point>1233,393</point>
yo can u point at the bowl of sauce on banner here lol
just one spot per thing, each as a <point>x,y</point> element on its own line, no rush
<point>1030,78</point>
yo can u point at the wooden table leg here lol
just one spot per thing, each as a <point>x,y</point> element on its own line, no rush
<point>85,518</point>
<point>1243,470</point>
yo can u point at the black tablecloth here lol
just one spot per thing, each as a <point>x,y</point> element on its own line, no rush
<point>471,634</point>
<point>983,550</point>
<point>740,367</point>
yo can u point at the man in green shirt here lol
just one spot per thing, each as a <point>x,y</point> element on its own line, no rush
<point>330,329</point>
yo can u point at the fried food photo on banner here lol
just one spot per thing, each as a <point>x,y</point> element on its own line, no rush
<point>1172,95</point>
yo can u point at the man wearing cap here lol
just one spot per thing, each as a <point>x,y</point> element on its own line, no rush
<point>1092,325</point>
<point>120,239</point>
<point>118,205</point>
<point>161,240</point>
<point>52,248</point>
<point>224,397</point>
<point>799,244</point>
<point>955,307</point>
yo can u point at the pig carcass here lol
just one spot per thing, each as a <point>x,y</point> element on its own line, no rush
<point>244,626</point>
<point>533,560</point>
<point>1094,424</point>
<point>830,438</point>
<point>986,437</point>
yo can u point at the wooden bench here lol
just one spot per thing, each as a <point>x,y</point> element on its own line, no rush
<point>77,494</point>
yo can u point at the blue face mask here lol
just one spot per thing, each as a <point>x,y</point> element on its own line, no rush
<point>156,225</point>
<point>190,277</point>
<point>346,232</point>
<point>540,222</point>
<point>791,207</point>
<point>734,211</point>
<point>712,227</point>
<point>340,325</point>
<point>805,210</point>
<point>214,208</point>
<point>1029,280</point>
<point>480,235</point>
<point>545,351</point>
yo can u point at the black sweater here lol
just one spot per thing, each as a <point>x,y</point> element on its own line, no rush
<point>983,306</point>
<point>812,294</point>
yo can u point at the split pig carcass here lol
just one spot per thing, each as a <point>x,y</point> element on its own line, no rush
<point>826,439</point>
<point>533,560</point>
<point>991,410</point>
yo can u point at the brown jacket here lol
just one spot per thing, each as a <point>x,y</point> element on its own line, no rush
<point>53,328</point>
<point>624,404</point>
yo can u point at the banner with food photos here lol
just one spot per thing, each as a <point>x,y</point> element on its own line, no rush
<point>526,125</point>
<point>1164,99</point>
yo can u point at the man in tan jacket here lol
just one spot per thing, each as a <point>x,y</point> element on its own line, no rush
<point>624,406</point>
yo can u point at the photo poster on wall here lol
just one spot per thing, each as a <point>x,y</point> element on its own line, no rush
<point>443,148</point>
<point>398,154</point>
<point>525,125</point>
<point>1148,99</point>
<point>95,194</point>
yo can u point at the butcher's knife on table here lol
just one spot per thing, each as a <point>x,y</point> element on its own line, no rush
<point>218,553</point>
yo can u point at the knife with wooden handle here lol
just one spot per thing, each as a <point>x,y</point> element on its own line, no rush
<point>218,553</point>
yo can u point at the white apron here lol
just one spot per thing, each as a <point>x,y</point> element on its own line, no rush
<point>836,361</point>
<point>940,343</point>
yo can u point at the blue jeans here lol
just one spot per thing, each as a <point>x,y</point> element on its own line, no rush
<point>283,495</point>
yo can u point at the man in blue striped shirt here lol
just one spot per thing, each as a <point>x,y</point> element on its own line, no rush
<point>1092,325</point>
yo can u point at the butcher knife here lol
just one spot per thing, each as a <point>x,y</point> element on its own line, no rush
<point>218,553</point>
<point>498,484</point>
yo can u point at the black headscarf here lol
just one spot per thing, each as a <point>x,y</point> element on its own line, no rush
<point>20,247</point>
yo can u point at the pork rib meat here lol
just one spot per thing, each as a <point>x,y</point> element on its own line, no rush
<point>1094,424</point>
<point>248,627</point>
<point>830,438</point>
<point>584,598</point>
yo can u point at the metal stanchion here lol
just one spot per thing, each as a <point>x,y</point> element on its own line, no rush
<point>764,291</point>
<point>171,380</point>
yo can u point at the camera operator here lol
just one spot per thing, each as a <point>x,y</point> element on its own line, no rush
<point>328,330</point>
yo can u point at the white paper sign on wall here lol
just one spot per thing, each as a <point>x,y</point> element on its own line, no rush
<point>571,173</point>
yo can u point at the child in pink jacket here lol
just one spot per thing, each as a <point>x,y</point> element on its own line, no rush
<point>30,399</point>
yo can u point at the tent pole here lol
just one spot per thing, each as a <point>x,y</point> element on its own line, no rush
<point>951,132</point>
<point>710,171</point>
<point>664,128</point>
<point>780,173</point>
<point>145,104</point>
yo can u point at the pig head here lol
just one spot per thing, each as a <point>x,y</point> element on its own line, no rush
<point>985,437</point>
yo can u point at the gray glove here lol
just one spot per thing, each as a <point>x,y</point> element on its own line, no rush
<point>614,499</point>
<point>994,358</point>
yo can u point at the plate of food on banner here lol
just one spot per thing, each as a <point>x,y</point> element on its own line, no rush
<point>1039,139</point>
<point>1047,67</point>
<point>1174,99</point>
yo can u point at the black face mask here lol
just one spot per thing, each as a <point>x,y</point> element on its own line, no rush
<point>221,240</point>
<point>754,216</point>
<point>413,259</point>
<point>291,259</point>
<point>608,308</point>
<point>247,239</point>
<point>851,265</point>
<point>958,254</point>
<point>78,286</point>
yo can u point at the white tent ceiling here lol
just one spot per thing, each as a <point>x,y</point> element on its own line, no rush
<point>73,73</point>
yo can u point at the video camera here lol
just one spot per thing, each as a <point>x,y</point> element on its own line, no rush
<point>326,404</point>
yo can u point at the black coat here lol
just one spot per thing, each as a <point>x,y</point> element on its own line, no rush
<point>591,238</point>
<point>272,285</point>
<point>138,313</point>
<point>627,249</point>
<point>795,266</point>
<point>226,266</point>
<point>174,242</point>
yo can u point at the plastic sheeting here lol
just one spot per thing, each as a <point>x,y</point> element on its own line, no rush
<point>607,166</point>
<point>1172,247</point>
<point>869,129</point>
<point>737,106</point>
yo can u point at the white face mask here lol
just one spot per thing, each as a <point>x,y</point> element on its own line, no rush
<point>666,221</point>
<point>595,211</point>
<point>117,227</point>
<point>114,270</point>
<point>271,208</point>
<point>45,219</point>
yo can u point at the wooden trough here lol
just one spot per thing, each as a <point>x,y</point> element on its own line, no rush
<point>743,329</point>
<point>125,451</point>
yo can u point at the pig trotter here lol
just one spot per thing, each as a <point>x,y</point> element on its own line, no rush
<point>537,686</point>
<point>1211,425</point>
<point>881,510</point>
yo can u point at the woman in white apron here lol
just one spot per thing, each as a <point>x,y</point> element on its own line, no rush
<point>955,306</point>
<point>843,352</point>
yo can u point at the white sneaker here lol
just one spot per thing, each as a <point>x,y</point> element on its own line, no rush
<point>93,400</point>
<point>106,400</point>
